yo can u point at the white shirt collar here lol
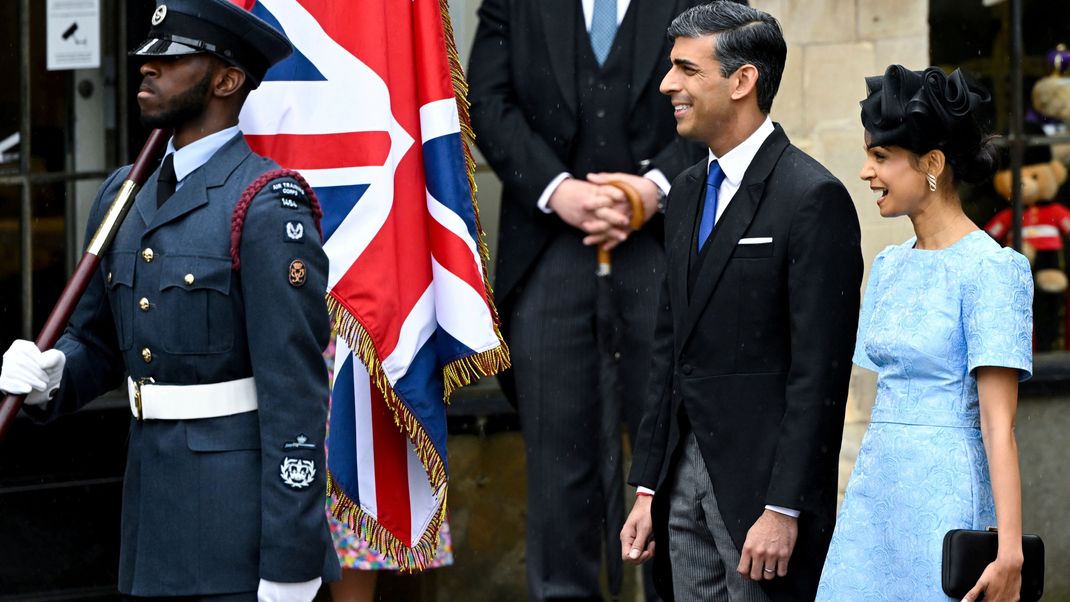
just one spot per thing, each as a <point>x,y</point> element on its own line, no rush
<point>197,153</point>
<point>735,162</point>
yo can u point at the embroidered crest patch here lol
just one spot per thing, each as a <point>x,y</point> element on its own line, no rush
<point>297,473</point>
<point>295,231</point>
<point>298,273</point>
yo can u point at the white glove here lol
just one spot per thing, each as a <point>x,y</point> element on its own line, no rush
<point>29,371</point>
<point>270,591</point>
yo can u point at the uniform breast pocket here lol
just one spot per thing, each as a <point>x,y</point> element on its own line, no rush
<point>118,269</point>
<point>197,313</point>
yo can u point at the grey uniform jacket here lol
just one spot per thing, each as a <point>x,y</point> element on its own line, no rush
<point>208,504</point>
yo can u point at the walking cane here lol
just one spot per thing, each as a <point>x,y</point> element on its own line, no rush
<point>609,323</point>
<point>72,292</point>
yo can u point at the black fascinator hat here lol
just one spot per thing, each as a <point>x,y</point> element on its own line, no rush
<point>926,110</point>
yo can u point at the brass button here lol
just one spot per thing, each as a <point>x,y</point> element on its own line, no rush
<point>146,354</point>
<point>108,278</point>
<point>188,279</point>
<point>147,255</point>
<point>143,304</point>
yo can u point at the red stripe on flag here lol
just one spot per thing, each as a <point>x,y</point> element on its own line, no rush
<point>389,277</point>
<point>322,151</point>
<point>391,470</point>
<point>456,256</point>
<point>430,45</point>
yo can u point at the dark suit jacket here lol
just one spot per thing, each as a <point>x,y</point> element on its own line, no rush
<point>758,356</point>
<point>205,507</point>
<point>523,89</point>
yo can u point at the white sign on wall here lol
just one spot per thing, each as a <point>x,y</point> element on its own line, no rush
<point>73,34</point>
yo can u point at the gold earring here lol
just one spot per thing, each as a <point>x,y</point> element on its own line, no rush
<point>932,181</point>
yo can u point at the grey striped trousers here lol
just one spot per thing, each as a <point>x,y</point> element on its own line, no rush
<point>704,559</point>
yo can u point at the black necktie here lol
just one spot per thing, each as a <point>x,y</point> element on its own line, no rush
<point>165,182</point>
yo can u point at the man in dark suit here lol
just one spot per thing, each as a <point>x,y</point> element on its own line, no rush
<point>753,342</point>
<point>225,477</point>
<point>561,89</point>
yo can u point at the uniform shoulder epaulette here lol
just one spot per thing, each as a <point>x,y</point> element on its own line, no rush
<point>237,222</point>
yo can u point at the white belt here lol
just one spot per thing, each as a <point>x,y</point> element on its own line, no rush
<point>149,401</point>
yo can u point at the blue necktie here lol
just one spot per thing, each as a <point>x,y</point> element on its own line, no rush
<point>603,28</point>
<point>709,206</point>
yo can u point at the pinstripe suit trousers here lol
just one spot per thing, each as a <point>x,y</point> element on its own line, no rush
<point>704,558</point>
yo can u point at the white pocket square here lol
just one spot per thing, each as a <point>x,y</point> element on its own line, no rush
<point>761,240</point>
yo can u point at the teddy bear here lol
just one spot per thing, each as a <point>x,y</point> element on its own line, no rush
<point>1045,228</point>
<point>1051,96</point>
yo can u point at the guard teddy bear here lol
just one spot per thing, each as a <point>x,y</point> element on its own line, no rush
<point>1045,228</point>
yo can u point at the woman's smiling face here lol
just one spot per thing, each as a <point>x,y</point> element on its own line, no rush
<point>894,175</point>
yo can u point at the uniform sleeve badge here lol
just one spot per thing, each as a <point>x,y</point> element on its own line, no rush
<point>299,442</point>
<point>298,273</point>
<point>297,473</point>
<point>295,231</point>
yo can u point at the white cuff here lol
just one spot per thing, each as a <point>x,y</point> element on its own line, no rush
<point>659,178</point>
<point>271,591</point>
<point>783,510</point>
<point>646,490</point>
<point>544,200</point>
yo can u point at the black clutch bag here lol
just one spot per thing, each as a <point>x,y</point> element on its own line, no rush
<point>967,553</point>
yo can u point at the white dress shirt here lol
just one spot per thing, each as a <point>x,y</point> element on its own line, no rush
<point>734,164</point>
<point>197,153</point>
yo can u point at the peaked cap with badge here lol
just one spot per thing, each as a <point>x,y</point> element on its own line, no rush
<point>218,27</point>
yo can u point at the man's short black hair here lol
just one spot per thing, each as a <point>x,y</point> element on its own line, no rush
<point>744,36</point>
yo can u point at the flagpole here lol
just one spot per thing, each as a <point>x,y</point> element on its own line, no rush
<point>83,272</point>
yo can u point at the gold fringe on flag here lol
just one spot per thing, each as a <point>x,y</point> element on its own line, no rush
<point>410,559</point>
<point>363,347</point>
<point>456,373</point>
<point>468,137</point>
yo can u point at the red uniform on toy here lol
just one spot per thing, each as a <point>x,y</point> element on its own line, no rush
<point>1045,228</point>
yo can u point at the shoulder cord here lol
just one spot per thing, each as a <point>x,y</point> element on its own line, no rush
<point>242,208</point>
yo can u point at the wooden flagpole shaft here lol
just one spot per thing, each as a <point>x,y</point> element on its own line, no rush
<point>72,292</point>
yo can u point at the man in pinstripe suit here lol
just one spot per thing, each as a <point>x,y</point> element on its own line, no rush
<point>561,89</point>
<point>752,353</point>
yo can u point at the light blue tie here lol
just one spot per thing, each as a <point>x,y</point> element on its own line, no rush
<point>603,28</point>
<point>709,206</point>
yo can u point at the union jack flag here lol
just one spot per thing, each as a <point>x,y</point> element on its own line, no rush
<point>371,109</point>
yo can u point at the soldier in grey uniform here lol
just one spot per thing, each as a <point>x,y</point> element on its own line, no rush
<point>223,497</point>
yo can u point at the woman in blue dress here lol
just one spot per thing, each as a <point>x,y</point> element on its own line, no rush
<point>947,324</point>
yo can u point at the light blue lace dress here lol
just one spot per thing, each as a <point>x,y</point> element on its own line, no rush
<point>929,318</point>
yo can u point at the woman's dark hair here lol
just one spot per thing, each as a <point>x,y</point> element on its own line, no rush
<point>744,36</point>
<point>929,110</point>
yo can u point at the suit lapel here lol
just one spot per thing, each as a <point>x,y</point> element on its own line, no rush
<point>652,17</point>
<point>685,198</point>
<point>145,202</point>
<point>733,224</point>
<point>560,26</point>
